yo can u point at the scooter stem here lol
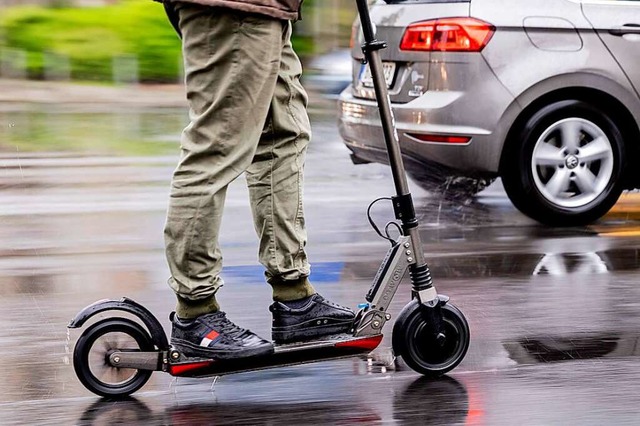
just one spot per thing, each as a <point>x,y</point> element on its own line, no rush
<point>402,202</point>
<point>370,49</point>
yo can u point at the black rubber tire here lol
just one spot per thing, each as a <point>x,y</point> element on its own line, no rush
<point>518,178</point>
<point>417,347</point>
<point>85,344</point>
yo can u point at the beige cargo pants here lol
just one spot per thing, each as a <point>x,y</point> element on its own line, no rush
<point>248,115</point>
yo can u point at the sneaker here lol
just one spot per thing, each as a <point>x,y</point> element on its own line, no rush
<point>214,336</point>
<point>315,317</point>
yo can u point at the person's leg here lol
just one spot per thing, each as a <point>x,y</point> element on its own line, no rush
<point>231,66</point>
<point>275,181</point>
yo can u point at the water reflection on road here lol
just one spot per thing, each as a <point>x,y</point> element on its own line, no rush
<point>554,313</point>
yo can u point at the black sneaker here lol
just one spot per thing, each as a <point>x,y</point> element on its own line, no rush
<point>314,318</point>
<point>214,336</point>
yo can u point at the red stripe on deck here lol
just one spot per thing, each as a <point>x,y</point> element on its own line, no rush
<point>176,370</point>
<point>369,343</point>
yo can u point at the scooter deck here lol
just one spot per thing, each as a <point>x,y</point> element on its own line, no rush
<point>289,354</point>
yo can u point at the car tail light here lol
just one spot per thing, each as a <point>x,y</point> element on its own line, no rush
<point>448,139</point>
<point>448,35</point>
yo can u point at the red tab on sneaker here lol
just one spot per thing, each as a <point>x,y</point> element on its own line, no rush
<point>213,335</point>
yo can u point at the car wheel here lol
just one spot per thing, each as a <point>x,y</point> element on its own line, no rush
<point>565,167</point>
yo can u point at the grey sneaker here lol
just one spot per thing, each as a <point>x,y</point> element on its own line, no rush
<point>214,336</point>
<point>312,318</point>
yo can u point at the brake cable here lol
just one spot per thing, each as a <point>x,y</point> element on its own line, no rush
<point>386,235</point>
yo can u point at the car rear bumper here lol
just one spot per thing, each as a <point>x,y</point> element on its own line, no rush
<point>474,113</point>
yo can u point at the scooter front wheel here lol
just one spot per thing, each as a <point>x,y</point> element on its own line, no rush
<point>415,342</point>
<point>91,357</point>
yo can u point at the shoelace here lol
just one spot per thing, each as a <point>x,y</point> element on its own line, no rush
<point>321,299</point>
<point>226,327</point>
<point>317,299</point>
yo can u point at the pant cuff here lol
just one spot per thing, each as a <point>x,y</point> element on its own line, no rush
<point>287,290</point>
<point>189,309</point>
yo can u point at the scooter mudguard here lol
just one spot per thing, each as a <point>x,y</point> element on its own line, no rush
<point>127,305</point>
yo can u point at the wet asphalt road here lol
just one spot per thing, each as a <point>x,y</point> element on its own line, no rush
<point>554,313</point>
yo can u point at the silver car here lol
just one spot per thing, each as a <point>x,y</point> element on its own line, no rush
<point>543,94</point>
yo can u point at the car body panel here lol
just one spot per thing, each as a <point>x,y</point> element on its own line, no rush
<point>618,25</point>
<point>428,91</point>
<point>540,71</point>
<point>412,68</point>
<point>552,33</point>
<point>550,103</point>
<point>512,13</point>
<point>534,64</point>
<point>436,112</point>
<point>539,50</point>
<point>390,21</point>
<point>481,94</point>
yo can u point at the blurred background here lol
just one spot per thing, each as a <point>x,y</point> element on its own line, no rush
<point>128,41</point>
<point>91,52</point>
<point>91,110</point>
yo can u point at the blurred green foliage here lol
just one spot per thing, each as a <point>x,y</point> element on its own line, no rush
<point>92,37</point>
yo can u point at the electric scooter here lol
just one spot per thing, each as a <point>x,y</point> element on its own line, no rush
<point>430,334</point>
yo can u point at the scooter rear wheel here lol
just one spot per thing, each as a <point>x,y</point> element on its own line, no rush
<point>413,339</point>
<point>91,357</point>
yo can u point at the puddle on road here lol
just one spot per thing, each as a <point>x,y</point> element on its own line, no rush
<point>545,349</point>
<point>416,401</point>
<point>505,265</point>
<point>64,259</point>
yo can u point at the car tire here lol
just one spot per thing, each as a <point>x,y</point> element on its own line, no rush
<point>565,165</point>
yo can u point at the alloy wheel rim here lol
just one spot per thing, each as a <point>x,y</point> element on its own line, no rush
<point>97,358</point>
<point>572,162</point>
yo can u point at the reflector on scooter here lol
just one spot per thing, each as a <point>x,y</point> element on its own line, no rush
<point>368,343</point>
<point>180,369</point>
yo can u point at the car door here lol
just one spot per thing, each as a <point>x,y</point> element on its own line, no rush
<point>617,22</point>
